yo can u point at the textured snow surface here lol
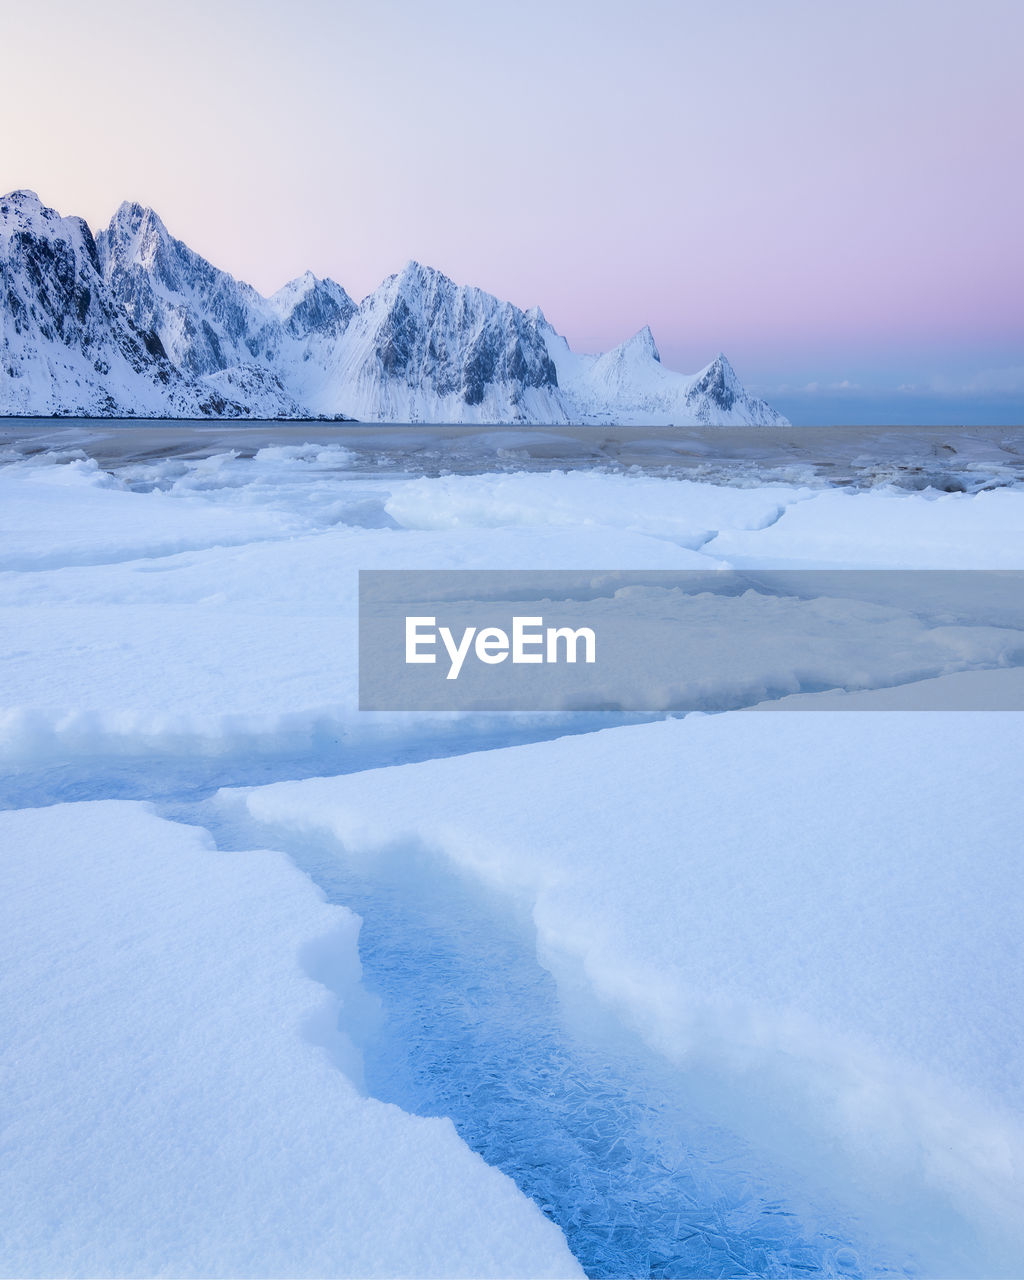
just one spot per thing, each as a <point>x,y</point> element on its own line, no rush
<point>788,945</point>
<point>876,530</point>
<point>817,920</point>
<point>136,322</point>
<point>176,1099</point>
<point>144,610</point>
<point>55,516</point>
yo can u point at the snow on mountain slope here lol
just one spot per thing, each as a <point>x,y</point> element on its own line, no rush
<point>216,328</point>
<point>207,320</point>
<point>308,306</point>
<point>423,349</point>
<point>629,385</point>
<point>419,348</point>
<point>65,346</point>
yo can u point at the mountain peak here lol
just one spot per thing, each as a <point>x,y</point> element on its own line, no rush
<point>22,212</point>
<point>642,343</point>
<point>293,290</point>
<point>718,383</point>
<point>22,197</point>
<point>420,276</point>
<point>186,336</point>
<point>721,365</point>
<point>635,353</point>
<point>131,218</point>
<point>307,304</point>
<point>19,209</point>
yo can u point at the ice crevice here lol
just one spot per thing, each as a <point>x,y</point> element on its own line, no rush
<point>87,758</point>
<point>703,957</point>
<point>640,972</point>
<point>179,1094</point>
<point>459,1016</point>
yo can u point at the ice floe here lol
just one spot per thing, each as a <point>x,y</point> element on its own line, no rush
<point>178,1091</point>
<point>814,917</point>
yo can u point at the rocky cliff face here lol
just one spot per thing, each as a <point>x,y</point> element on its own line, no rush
<point>65,345</point>
<point>136,323</point>
<point>423,349</point>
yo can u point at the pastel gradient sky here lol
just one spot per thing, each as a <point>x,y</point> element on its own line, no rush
<point>830,192</point>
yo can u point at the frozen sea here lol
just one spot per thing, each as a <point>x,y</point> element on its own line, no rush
<point>294,989</point>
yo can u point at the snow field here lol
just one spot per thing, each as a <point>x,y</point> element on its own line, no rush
<point>814,917</point>
<point>883,529</point>
<point>811,921</point>
<point>76,514</point>
<point>144,611</point>
<point>176,1096</point>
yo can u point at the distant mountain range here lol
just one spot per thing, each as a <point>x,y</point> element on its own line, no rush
<point>133,323</point>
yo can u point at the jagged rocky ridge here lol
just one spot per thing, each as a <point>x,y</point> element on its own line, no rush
<point>134,323</point>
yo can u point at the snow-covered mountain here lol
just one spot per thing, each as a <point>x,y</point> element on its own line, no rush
<point>423,349</point>
<point>136,323</point>
<point>66,346</point>
<point>629,384</point>
<point>215,328</point>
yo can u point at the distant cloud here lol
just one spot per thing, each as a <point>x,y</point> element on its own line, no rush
<point>986,382</point>
<point>808,388</point>
<point>1002,381</point>
<point>1006,381</point>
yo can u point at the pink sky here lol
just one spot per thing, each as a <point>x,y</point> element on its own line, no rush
<point>828,192</point>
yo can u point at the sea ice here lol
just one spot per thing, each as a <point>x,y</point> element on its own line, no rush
<point>210,605</point>
<point>811,920</point>
<point>76,514</point>
<point>176,1096</point>
<point>815,917</point>
<point>886,529</point>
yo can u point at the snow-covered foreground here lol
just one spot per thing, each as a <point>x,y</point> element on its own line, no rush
<point>211,606</point>
<point>177,1098</point>
<point>731,994</point>
<point>817,921</point>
